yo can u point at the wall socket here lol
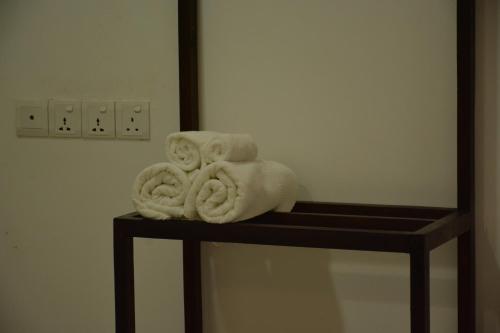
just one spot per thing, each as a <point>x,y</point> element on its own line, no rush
<point>31,118</point>
<point>127,119</point>
<point>98,119</point>
<point>132,120</point>
<point>65,119</point>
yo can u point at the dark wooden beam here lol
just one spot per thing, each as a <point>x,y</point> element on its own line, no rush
<point>193,312</point>
<point>420,290</point>
<point>466,283</point>
<point>123,246</point>
<point>188,64</point>
<point>277,234</point>
<point>446,229</point>
<point>371,210</point>
<point>189,121</point>
<point>340,221</point>
<point>465,164</point>
<point>465,103</point>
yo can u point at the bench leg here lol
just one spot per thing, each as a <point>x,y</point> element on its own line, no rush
<point>419,291</point>
<point>193,320</point>
<point>123,247</point>
<point>466,283</point>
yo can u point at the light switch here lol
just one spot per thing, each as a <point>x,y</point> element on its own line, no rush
<point>31,118</point>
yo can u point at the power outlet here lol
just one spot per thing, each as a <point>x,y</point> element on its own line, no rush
<point>98,119</point>
<point>65,119</point>
<point>132,120</point>
<point>31,118</point>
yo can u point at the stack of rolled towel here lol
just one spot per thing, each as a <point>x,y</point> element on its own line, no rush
<point>215,177</point>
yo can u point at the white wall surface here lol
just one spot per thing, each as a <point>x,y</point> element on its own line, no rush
<point>359,98</point>
<point>57,197</point>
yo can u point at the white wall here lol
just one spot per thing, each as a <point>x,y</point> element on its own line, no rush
<point>359,98</point>
<point>361,93</point>
<point>58,196</point>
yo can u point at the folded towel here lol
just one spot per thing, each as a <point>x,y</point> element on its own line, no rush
<point>159,191</point>
<point>234,191</point>
<point>229,147</point>
<point>183,148</point>
<point>194,149</point>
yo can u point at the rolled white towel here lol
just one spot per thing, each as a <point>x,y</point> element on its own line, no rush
<point>229,147</point>
<point>234,191</point>
<point>194,149</point>
<point>160,190</point>
<point>183,148</point>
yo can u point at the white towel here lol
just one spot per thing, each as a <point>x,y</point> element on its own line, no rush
<point>159,191</point>
<point>183,148</point>
<point>195,149</point>
<point>229,147</point>
<point>234,191</point>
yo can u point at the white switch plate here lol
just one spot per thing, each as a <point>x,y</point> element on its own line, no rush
<point>65,118</point>
<point>132,120</point>
<point>31,118</point>
<point>98,119</point>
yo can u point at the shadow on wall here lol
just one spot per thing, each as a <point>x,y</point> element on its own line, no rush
<point>268,289</point>
<point>250,288</point>
<point>487,163</point>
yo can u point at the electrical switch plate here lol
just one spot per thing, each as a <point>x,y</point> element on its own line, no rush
<point>31,118</point>
<point>132,120</point>
<point>65,119</point>
<point>98,119</point>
